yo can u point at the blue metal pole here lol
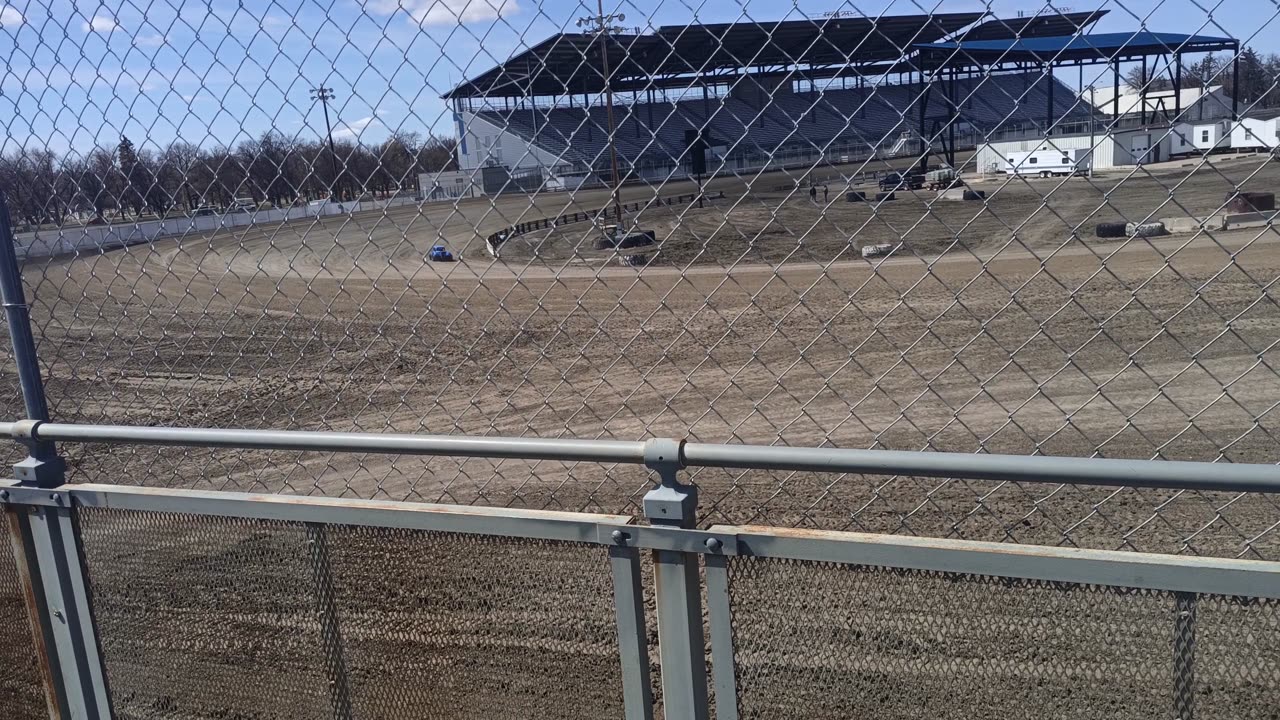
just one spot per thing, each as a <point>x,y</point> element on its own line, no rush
<point>42,466</point>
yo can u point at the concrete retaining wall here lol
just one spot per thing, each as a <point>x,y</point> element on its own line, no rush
<point>100,238</point>
<point>1228,221</point>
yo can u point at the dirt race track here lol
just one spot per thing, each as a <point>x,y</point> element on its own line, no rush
<point>1025,336</point>
<point>1022,336</point>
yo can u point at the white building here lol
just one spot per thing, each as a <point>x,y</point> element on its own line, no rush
<point>1196,104</point>
<point>1200,137</point>
<point>1109,150</point>
<point>450,184</point>
<point>1257,133</point>
<point>484,144</point>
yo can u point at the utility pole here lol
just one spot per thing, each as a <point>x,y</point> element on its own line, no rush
<point>600,25</point>
<point>324,95</point>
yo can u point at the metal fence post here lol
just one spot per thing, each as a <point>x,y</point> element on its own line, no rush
<point>1184,656</point>
<point>720,617</point>
<point>628,601</point>
<point>62,598</point>
<point>679,592</point>
<point>58,588</point>
<point>33,597</point>
<point>42,466</point>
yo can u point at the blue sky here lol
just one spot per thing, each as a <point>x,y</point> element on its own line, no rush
<point>216,72</point>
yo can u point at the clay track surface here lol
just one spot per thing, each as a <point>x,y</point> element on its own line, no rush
<point>1024,335</point>
<point>1010,342</point>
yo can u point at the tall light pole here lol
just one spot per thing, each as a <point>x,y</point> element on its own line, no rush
<point>600,25</point>
<point>324,95</point>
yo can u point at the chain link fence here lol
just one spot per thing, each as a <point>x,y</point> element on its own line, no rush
<point>875,225</point>
<point>201,617</point>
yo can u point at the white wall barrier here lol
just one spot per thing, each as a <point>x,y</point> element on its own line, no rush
<point>102,238</point>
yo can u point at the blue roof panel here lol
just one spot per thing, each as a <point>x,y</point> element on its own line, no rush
<point>1092,46</point>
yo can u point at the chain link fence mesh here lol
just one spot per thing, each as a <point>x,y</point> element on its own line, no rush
<point>832,641</point>
<point>230,215</point>
<point>218,617</point>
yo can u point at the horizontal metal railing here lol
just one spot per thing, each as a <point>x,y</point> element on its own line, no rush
<point>1180,475</point>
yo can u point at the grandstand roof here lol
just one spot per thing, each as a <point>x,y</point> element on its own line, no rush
<point>1053,25</point>
<point>570,62</point>
<point>700,48</point>
<point>1101,47</point>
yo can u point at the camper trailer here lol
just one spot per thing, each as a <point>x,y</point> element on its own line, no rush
<point>1048,163</point>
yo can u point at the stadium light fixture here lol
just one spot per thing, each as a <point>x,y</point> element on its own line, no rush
<point>601,25</point>
<point>324,95</point>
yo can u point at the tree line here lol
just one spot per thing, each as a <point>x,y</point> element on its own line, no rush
<point>1258,77</point>
<point>123,180</point>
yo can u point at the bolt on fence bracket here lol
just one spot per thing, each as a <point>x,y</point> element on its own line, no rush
<point>32,496</point>
<point>670,503</point>
<point>42,472</point>
<point>658,537</point>
<point>41,467</point>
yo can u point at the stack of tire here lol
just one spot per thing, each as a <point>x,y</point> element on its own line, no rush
<point>1111,230</point>
<point>1123,230</point>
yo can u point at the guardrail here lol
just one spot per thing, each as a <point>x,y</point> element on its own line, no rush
<point>222,604</point>
<point>495,240</point>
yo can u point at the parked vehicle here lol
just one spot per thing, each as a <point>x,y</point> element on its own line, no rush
<point>1048,163</point>
<point>440,253</point>
<point>204,211</point>
<point>941,179</point>
<point>243,205</point>
<point>912,180</point>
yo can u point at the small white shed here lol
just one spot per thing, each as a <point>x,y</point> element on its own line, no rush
<point>1200,137</point>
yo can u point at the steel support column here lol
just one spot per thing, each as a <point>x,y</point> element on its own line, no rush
<point>60,589</point>
<point>1177,86</point>
<point>1235,87</point>
<point>42,466</point>
<point>628,602</point>
<point>720,616</point>
<point>1048,127</point>
<point>1142,92</point>
<point>676,583</point>
<point>1115,97</point>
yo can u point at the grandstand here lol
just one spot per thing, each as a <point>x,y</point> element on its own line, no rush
<point>791,127</point>
<point>773,95</point>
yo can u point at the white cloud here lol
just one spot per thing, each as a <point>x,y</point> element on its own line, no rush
<point>352,130</point>
<point>150,41</point>
<point>104,24</point>
<point>447,12</point>
<point>10,18</point>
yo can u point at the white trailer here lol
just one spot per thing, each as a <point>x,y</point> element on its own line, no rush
<point>1256,134</point>
<point>1048,163</point>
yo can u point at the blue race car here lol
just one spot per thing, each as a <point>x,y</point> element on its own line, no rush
<point>439,254</point>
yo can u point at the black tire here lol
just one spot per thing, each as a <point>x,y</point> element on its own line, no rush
<point>1110,230</point>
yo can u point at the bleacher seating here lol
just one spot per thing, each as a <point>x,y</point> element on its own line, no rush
<point>654,133</point>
